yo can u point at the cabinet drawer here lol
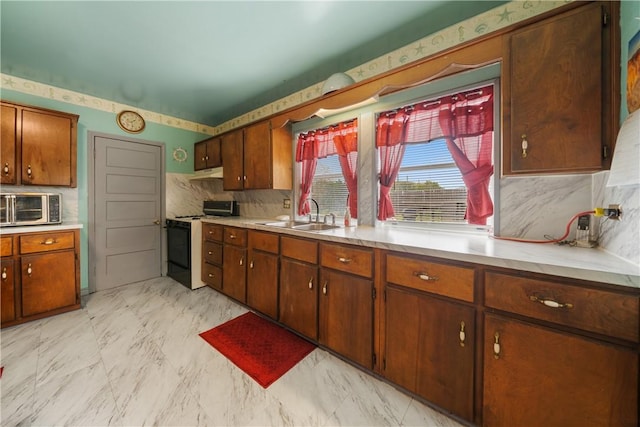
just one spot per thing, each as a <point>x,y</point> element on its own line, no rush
<point>212,275</point>
<point>347,258</point>
<point>212,252</point>
<point>235,236</point>
<point>212,232</point>
<point>594,310</point>
<point>426,275</point>
<point>264,241</point>
<point>300,249</point>
<point>6,246</point>
<point>31,243</point>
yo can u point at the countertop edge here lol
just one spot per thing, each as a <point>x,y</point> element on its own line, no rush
<point>6,231</point>
<point>587,264</point>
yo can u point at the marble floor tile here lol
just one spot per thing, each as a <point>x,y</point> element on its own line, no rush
<point>132,356</point>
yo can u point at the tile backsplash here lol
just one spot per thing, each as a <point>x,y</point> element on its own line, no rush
<point>531,207</point>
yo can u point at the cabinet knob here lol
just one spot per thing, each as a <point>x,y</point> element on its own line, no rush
<point>344,260</point>
<point>324,288</point>
<point>29,171</point>
<point>462,334</point>
<point>525,145</point>
<point>310,282</point>
<point>5,169</point>
<point>4,273</point>
<point>251,264</point>
<point>29,269</point>
<point>210,253</point>
<point>238,178</point>
<point>242,261</point>
<point>549,302</point>
<point>211,275</point>
<point>496,345</point>
<point>48,242</point>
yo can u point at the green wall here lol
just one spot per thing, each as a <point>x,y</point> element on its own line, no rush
<point>104,122</point>
<point>629,26</point>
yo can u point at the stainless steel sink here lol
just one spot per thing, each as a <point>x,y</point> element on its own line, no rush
<point>315,226</point>
<point>301,225</point>
<point>285,224</point>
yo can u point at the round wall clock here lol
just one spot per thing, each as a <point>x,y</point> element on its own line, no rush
<point>130,121</point>
<point>180,155</point>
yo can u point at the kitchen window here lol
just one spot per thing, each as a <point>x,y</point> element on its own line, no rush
<point>436,159</point>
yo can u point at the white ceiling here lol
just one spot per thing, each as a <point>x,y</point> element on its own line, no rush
<point>208,61</point>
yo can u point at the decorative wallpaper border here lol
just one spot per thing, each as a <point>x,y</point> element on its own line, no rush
<point>484,23</point>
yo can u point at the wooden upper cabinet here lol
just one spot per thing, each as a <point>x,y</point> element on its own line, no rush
<point>207,154</point>
<point>556,93</point>
<point>232,160</point>
<point>41,143</point>
<point>9,138</point>
<point>257,157</point>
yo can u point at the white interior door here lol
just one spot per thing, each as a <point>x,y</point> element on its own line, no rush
<point>127,211</point>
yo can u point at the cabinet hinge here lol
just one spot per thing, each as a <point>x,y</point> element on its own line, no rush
<point>605,151</point>
<point>605,19</point>
<point>373,293</point>
<point>384,363</point>
<point>375,359</point>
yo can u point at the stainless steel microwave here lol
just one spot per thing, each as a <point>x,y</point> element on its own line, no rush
<point>18,209</point>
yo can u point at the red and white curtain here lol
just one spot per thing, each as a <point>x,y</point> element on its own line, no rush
<point>465,121</point>
<point>340,139</point>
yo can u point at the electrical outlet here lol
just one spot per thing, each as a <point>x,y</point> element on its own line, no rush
<point>286,203</point>
<point>615,212</point>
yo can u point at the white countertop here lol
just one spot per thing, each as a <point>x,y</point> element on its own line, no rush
<point>566,261</point>
<point>39,228</point>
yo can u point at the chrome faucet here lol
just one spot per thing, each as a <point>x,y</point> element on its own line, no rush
<point>317,211</point>
<point>333,218</point>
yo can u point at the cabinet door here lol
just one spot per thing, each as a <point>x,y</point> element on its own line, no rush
<point>534,376</point>
<point>346,315</point>
<point>48,148</point>
<point>554,94</point>
<point>48,282</point>
<point>299,296</point>
<point>234,270</point>
<point>233,160</point>
<point>429,348</point>
<point>8,290</point>
<point>8,115</point>
<point>257,156</point>
<point>200,155</point>
<point>262,283</point>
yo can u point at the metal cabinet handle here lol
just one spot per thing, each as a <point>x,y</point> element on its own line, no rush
<point>525,145</point>
<point>425,277</point>
<point>310,282</point>
<point>5,169</point>
<point>242,261</point>
<point>48,242</point>
<point>251,264</point>
<point>211,275</point>
<point>232,236</point>
<point>324,288</point>
<point>549,302</point>
<point>496,345</point>
<point>344,260</point>
<point>29,270</point>
<point>462,335</point>
<point>29,171</point>
<point>238,178</point>
<point>4,273</point>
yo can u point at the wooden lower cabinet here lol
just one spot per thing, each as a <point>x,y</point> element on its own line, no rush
<point>46,283</point>
<point>234,272</point>
<point>429,348</point>
<point>8,295</point>
<point>298,307</point>
<point>40,275</point>
<point>537,376</point>
<point>262,272</point>
<point>346,315</point>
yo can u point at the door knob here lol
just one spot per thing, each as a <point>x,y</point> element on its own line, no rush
<point>156,222</point>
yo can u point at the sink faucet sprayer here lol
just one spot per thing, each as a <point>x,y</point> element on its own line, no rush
<point>317,211</point>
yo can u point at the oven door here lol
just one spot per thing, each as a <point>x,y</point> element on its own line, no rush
<point>179,251</point>
<point>30,209</point>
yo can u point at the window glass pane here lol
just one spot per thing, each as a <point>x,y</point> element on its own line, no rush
<point>429,186</point>
<point>329,188</point>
